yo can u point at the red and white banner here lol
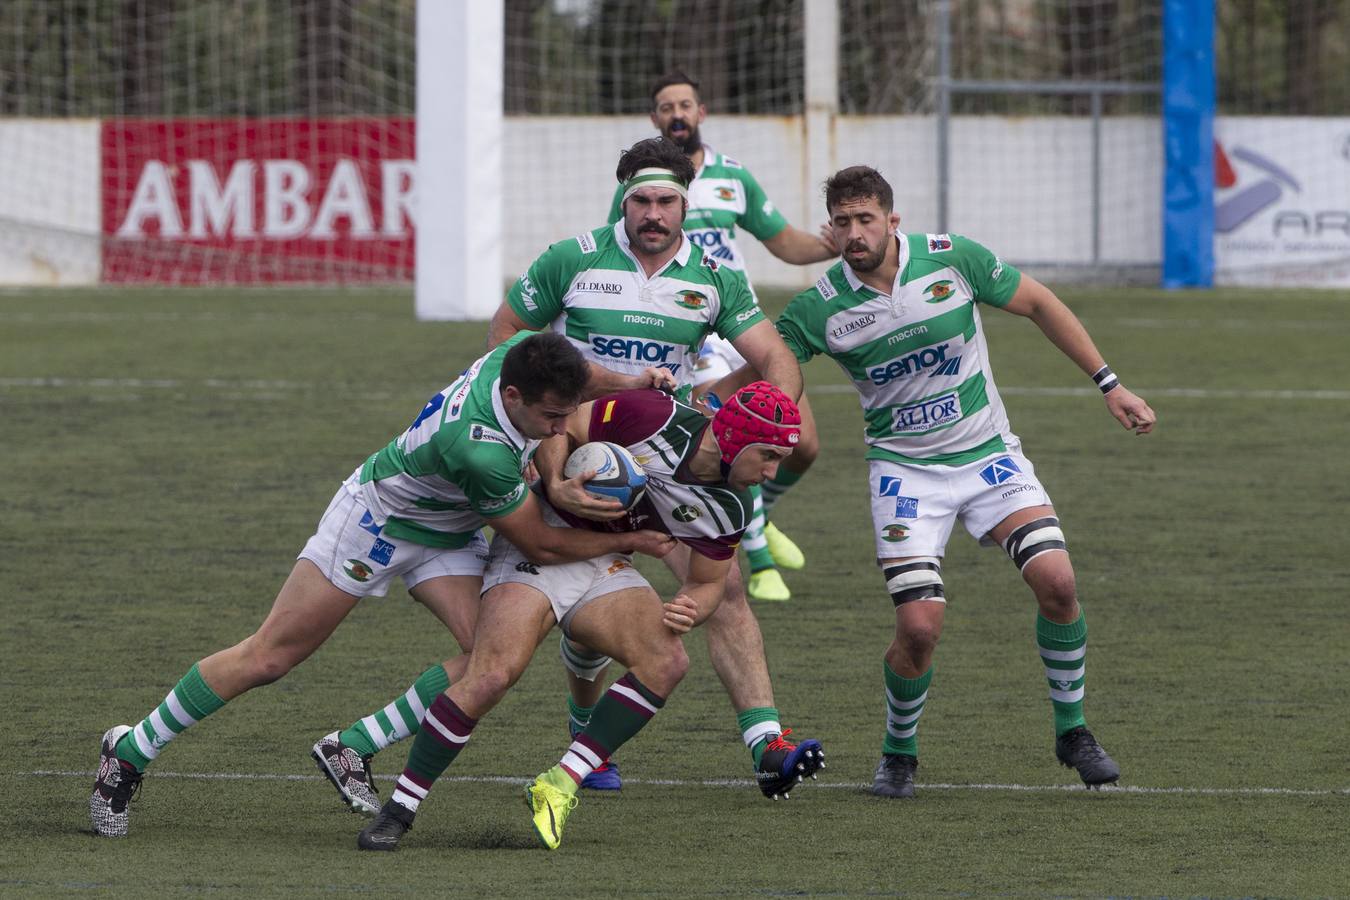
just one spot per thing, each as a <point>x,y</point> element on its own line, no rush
<point>240,201</point>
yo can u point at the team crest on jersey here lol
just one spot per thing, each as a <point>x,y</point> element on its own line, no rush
<point>686,513</point>
<point>894,533</point>
<point>937,291</point>
<point>357,570</point>
<point>726,193</point>
<point>691,299</point>
<point>937,243</point>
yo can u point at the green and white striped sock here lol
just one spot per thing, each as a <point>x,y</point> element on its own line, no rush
<point>190,701</point>
<point>758,724</point>
<point>401,718</point>
<point>777,486</point>
<point>1064,652</point>
<point>755,545</point>
<point>905,700</point>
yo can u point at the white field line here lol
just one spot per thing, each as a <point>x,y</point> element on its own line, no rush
<point>1147,393</point>
<point>100,317</point>
<point>746,783</point>
<point>103,318</point>
<point>272,385</point>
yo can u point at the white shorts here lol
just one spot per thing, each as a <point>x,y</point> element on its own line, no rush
<point>568,586</point>
<point>351,552</point>
<point>914,508</point>
<point>716,359</point>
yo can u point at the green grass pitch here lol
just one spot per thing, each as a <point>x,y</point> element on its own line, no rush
<point>167,453</point>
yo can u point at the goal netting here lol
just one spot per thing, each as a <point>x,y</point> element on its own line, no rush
<point>246,141</point>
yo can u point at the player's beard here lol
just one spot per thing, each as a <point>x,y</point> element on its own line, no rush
<point>868,262</point>
<point>648,242</point>
<point>688,140</point>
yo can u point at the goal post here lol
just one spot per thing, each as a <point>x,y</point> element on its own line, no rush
<point>459,159</point>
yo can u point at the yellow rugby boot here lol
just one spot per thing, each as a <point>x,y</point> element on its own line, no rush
<point>786,554</point>
<point>767,585</point>
<point>551,798</point>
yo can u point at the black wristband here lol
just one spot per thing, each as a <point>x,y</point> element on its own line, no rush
<point>1105,379</point>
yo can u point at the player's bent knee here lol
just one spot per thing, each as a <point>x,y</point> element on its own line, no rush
<point>268,666</point>
<point>581,661</point>
<point>917,579</point>
<point>489,686</point>
<point>663,671</point>
<point>1030,540</point>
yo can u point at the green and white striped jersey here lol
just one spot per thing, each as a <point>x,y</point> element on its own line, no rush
<point>723,195</point>
<point>592,290</point>
<point>916,356</point>
<point>459,462</point>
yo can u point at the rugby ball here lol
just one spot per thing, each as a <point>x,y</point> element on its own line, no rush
<point>617,475</point>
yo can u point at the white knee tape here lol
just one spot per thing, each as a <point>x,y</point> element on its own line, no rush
<point>581,661</point>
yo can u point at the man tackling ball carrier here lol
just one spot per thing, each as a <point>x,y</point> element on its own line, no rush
<point>698,475</point>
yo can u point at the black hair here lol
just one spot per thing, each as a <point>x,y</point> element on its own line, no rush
<point>546,363</point>
<point>669,80</point>
<point>655,153</point>
<point>858,183</point>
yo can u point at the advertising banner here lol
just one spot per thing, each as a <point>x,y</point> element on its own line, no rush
<point>1282,201</point>
<point>257,201</point>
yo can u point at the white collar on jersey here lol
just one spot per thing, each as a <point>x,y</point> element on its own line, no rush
<point>708,154</point>
<point>503,419</point>
<point>902,255</point>
<point>681,255</point>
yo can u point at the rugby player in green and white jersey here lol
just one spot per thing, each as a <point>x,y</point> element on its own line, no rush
<point>698,471</point>
<point>413,510</point>
<point>723,197</point>
<point>900,316</point>
<point>637,294</point>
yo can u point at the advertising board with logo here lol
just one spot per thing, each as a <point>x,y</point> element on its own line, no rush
<point>1282,201</point>
<point>194,201</point>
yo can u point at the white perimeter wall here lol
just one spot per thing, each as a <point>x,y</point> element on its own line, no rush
<point>1020,186</point>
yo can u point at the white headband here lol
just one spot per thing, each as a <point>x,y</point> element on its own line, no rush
<point>654,177</point>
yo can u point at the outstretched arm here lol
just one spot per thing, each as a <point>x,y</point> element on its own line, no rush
<point>547,545</point>
<point>792,245</point>
<point>766,353</point>
<point>505,323</point>
<point>1058,323</point>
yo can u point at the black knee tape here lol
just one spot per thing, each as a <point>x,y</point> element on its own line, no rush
<point>920,579</point>
<point>1032,539</point>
